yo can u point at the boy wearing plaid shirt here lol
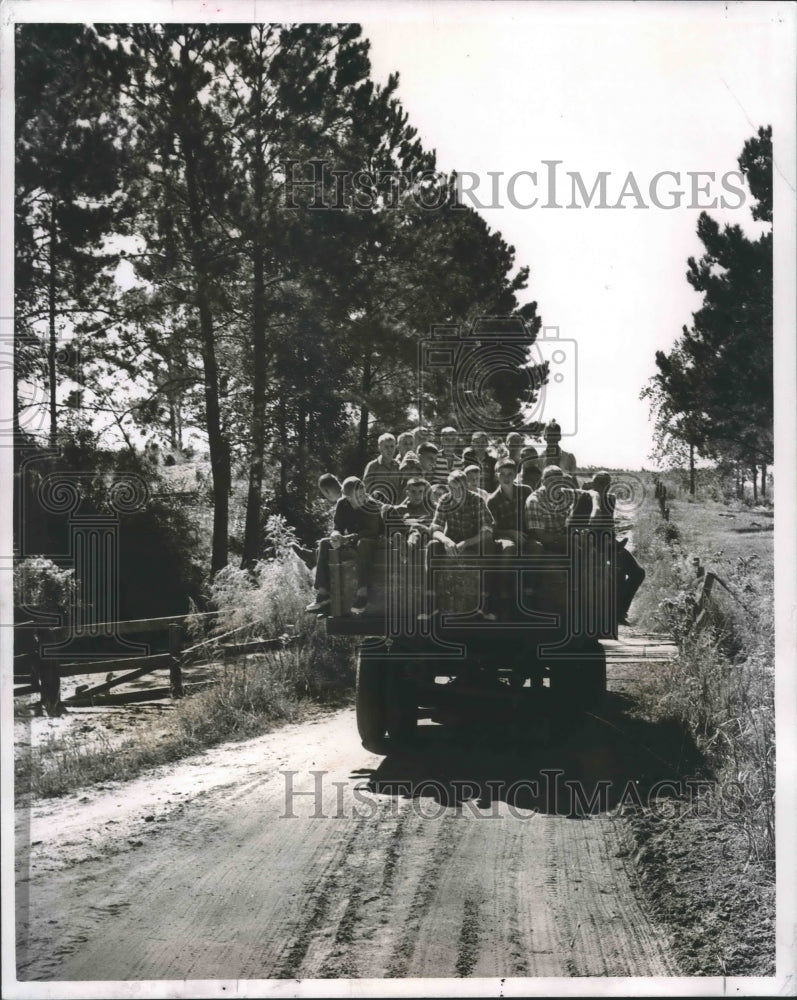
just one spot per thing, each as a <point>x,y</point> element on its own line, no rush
<point>548,509</point>
<point>462,523</point>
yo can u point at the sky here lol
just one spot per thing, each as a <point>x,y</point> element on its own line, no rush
<point>619,88</point>
<point>504,90</point>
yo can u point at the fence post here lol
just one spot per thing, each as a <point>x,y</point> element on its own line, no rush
<point>47,669</point>
<point>176,653</point>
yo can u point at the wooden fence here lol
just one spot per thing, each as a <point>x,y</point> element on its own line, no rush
<point>41,669</point>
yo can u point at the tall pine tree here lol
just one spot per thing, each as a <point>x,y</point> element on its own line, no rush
<point>716,383</point>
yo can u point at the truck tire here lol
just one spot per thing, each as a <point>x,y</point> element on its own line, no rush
<point>370,702</point>
<point>402,705</point>
<point>581,678</point>
<point>592,682</point>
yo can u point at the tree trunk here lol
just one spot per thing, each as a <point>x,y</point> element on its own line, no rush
<point>51,307</point>
<point>257,441</point>
<point>755,483</point>
<point>691,470</point>
<point>172,424</point>
<point>301,441</point>
<point>217,442</point>
<point>763,479</point>
<point>362,438</point>
<point>283,439</point>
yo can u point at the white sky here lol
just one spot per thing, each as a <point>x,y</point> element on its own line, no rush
<point>621,87</point>
<point>618,88</point>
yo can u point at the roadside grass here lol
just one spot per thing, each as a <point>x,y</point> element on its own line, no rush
<point>250,696</point>
<point>721,686</point>
<point>708,871</point>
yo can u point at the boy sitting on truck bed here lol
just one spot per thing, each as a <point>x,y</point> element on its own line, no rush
<point>357,523</point>
<point>413,515</point>
<point>431,467</point>
<point>473,475</point>
<point>408,524</point>
<point>449,441</point>
<point>548,510</point>
<point>479,443</point>
<point>553,454</point>
<point>330,489</point>
<point>462,524</point>
<point>529,470</point>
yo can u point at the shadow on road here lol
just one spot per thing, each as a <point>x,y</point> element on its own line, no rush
<point>570,764</point>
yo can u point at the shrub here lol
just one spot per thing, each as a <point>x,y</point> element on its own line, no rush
<point>40,583</point>
<point>158,546</point>
<point>269,600</point>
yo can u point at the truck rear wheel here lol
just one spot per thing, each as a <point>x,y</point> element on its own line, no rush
<point>581,678</point>
<point>370,702</point>
<point>593,675</point>
<point>402,705</point>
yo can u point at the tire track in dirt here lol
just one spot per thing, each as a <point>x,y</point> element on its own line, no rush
<point>319,893</point>
<point>445,843</point>
<point>230,886</point>
<point>468,938</point>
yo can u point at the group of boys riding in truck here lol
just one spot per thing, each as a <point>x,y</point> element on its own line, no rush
<point>426,504</point>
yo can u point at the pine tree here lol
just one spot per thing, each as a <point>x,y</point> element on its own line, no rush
<point>178,188</point>
<point>68,159</point>
<point>715,385</point>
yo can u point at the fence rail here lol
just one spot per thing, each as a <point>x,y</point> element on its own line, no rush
<point>42,669</point>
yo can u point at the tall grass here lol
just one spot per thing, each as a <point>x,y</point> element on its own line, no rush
<point>248,699</point>
<point>270,601</point>
<point>721,686</point>
<point>249,696</point>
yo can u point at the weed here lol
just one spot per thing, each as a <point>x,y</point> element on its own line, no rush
<point>721,686</point>
<point>248,696</point>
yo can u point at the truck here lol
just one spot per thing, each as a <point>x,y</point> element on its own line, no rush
<point>543,649</point>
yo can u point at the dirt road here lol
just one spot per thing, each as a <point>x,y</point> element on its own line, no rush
<point>301,855</point>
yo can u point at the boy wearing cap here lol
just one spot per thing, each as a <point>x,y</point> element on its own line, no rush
<point>554,455</point>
